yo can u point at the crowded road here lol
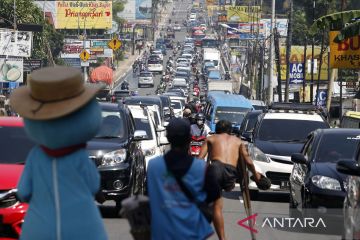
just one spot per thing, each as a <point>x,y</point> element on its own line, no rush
<point>266,205</point>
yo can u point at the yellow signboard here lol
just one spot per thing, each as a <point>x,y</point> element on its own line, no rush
<point>244,13</point>
<point>114,44</point>
<point>297,56</point>
<point>83,14</point>
<point>213,8</point>
<point>84,55</point>
<point>345,54</point>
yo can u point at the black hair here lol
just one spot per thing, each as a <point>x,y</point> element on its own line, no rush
<point>223,126</point>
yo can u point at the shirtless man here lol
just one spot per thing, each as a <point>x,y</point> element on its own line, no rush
<point>224,151</point>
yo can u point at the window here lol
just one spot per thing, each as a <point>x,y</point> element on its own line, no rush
<point>232,114</point>
<point>113,125</point>
<point>144,124</point>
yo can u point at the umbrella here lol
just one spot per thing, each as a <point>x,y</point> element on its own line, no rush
<point>102,74</point>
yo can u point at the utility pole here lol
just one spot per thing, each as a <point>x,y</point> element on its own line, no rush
<point>271,55</point>
<point>312,58</point>
<point>288,51</point>
<point>15,25</point>
<point>277,60</point>
<point>304,70</point>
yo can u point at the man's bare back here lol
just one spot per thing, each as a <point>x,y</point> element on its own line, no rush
<point>223,147</point>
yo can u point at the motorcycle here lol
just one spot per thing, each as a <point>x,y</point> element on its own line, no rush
<point>195,145</point>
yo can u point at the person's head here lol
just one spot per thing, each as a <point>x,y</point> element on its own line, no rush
<point>200,119</point>
<point>178,133</point>
<point>223,126</point>
<point>186,113</point>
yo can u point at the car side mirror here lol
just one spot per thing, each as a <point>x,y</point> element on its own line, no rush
<point>140,135</point>
<point>298,158</point>
<point>163,141</point>
<point>247,136</point>
<point>348,167</point>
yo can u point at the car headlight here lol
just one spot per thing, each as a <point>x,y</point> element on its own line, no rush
<point>257,155</point>
<point>149,152</point>
<point>324,182</point>
<point>113,158</point>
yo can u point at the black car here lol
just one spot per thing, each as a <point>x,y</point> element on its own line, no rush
<point>146,100</point>
<point>117,154</point>
<point>248,124</point>
<point>316,187</point>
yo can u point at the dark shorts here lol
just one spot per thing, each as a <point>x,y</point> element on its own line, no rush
<point>225,174</point>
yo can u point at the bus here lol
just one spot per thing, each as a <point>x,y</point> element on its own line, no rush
<point>210,42</point>
<point>198,35</point>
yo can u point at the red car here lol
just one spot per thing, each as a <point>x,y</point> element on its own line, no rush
<point>14,148</point>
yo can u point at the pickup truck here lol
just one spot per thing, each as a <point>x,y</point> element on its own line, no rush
<point>220,85</point>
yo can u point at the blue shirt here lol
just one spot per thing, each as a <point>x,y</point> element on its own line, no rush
<point>60,192</point>
<point>173,215</point>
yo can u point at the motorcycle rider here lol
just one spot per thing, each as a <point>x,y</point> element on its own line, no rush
<point>200,129</point>
<point>227,75</point>
<point>124,85</point>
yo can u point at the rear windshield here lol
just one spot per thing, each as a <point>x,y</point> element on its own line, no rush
<point>154,61</point>
<point>143,124</point>
<point>14,145</point>
<point>285,130</point>
<point>232,114</point>
<point>335,147</point>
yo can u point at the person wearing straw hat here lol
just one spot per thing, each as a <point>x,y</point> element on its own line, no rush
<point>59,181</point>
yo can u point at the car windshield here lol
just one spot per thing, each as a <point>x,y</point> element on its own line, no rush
<point>143,124</point>
<point>176,105</point>
<point>250,122</point>
<point>287,130</point>
<point>14,145</point>
<point>335,147</point>
<point>145,74</point>
<point>154,61</point>
<point>122,93</point>
<point>232,114</point>
<point>113,125</point>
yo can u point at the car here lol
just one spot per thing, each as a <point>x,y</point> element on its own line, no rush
<point>170,33</point>
<point>178,107</point>
<point>175,92</point>
<point>278,134</point>
<point>149,101</point>
<point>183,68</point>
<point>168,112</point>
<point>14,146</point>
<point>116,151</point>
<point>214,75</point>
<point>316,187</point>
<point>119,95</point>
<point>145,121</point>
<point>351,213</point>
<point>183,74</point>
<point>157,53</point>
<point>248,124</point>
<point>146,78</point>
<point>177,27</point>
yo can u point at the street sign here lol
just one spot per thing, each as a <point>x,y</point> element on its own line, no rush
<point>296,73</point>
<point>84,55</point>
<point>114,43</point>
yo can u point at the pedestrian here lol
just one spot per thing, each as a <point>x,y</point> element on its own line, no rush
<point>174,216</point>
<point>59,181</point>
<point>225,152</point>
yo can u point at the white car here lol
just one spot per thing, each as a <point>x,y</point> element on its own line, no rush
<point>182,60</point>
<point>151,147</point>
<point>187,56</point>
<point>146,78</point>
<point>158,53</point>
<point>177,27</point>
<point>177,107</point>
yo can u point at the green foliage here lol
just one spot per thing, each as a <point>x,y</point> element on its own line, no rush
<point>351,30</point>
<point>117,7</point>
<point>300,28</point>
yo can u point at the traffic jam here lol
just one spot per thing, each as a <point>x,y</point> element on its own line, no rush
<point>312,167</point>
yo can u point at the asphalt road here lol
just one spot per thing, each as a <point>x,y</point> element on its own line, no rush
<point>266,206</point>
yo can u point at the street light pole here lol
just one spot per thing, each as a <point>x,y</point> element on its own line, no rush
<point>312,58</point>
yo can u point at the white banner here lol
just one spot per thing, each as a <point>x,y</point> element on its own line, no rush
<point>281,25</point>
<point>15,43</point>
<point>11,70</point>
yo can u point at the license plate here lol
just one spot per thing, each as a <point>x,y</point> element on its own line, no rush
<point>284,184</point>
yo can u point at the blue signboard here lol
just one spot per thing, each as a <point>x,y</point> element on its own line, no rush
<point>296,73</point>
<point>321,100</point>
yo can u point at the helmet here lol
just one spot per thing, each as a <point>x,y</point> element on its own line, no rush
<point>200,116</point>
<point>135,93</point>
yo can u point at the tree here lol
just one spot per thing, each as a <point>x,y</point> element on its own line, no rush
<point>28,12</point>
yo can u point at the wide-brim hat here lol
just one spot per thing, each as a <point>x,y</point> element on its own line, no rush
<point>51,93</point>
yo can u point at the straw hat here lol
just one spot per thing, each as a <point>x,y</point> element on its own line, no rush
<point>51,93</point>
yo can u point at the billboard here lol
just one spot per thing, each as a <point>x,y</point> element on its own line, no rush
<point>345,54</point>
<point>11,69</point>
<point>281,25</point>
<point>212,9</point>
<point>83,14</point>
<point>251,30</point>
<point>137,10</point>
<point>297,56</point>
<point>243,13</point>
<point>15,43</point>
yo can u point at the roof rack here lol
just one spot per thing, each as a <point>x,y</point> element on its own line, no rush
<point>293,106</point>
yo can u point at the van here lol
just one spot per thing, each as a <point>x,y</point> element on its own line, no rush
<point>351,119</point>
<point>223,106</point>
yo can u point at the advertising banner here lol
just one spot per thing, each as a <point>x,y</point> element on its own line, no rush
<point>32,64</point>
<point>15,43</point>
<point>83,14</point>
<point>244,14</point>
<point>345,54</point>
<point>137,10</point>
<point>11,69</point>
<point>281,25</point>
<point>297,56</point>
<point>251,30</point>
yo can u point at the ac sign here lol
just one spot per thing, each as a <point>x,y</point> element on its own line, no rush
<point>296,73</point>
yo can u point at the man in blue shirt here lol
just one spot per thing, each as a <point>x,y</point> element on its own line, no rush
<point>173,215</point>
